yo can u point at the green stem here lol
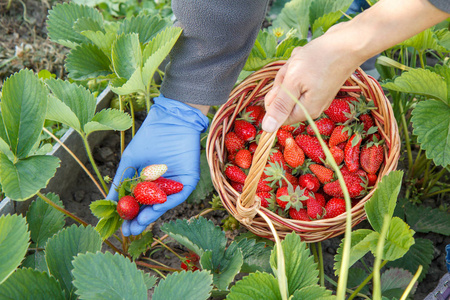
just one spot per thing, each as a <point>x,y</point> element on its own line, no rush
<point>314,252</point>
<point>411,283</point>
<point>133,125</point>
<point>406,135</point>
<point>122,133</point>
<point>437,193</point>
<point>321,265</point>
<point>94,166</point>
<point>379,254</point>
<point>147,101</point>
<point>168,248</point>
<point>349,291</point>
<point>365,282</point>
<point>143,264</point>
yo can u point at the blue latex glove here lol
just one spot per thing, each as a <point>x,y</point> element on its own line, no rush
<point>169,135</point>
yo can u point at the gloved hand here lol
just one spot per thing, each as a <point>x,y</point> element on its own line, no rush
<point>169,135</point>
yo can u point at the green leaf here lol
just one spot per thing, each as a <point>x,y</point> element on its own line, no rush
<point>184,285</point>
<point>224,265</point>
<point>108,226</point>
<point>139,246</point>
<point>424,41</point>
<point>61,19</point>
<point>109,119</point>
<point>23,179</point>
<point>198,235</point>
<point>384,199</point>
<point>301,270</point>
<point>295,15</point>
<point>66,244</point>
<point>126,55</point>
<point>43,220</point>
<point>426,219</point>
<point>204,186</point>
<point>31,284</point>
<point>157,50</point>
<point>320,8</point>
<point>100,39</point>
<point>444,72</point>
<point>394,282</point>
<point>284,49</point>
<point>14,241</point>
<point>59,111</point>
<point>432,126</point>
<point>122,86</point>
<point>256,256</point>
<point>263,51</point>
<point>360,245</point>
<point>103,208</point>
<point>443,36</point>
<point>313,292</point>
<point>36,261</point>
<point>399,239</point>
<point>23,106</point>
<point>87,61</point>
<point>45,74</point>
<point>421,253</point>
<point>107,276</point>
<point>87,23</point>
<point>355,277</point>
<point>256,286</point>
<point>323,23</point>
<point>146,26</point>
<point>149,280</point>
<point>421,82</point>
<point>79,99</point>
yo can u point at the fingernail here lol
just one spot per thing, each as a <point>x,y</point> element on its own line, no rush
<point>269,124</point>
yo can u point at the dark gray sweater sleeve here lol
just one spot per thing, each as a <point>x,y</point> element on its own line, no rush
<point>443,5</point>
<point>217,38</point>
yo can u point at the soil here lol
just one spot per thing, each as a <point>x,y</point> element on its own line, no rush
<point>24,44</point>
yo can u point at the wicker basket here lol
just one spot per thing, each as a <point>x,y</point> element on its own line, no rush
<point>245,206</point>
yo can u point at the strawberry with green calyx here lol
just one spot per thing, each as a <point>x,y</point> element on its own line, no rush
<point>299,214</point>
<point>293,154</point>
<point>251,113</point>
<point>276,155</point>
<point>292,196</point>
<point>325,126</point>
<point>234,173</point>
<point>252,147</point>
<point>367,121</point>
<point>282,135</point>
<point>233,143</point>
<point>267,199</point>
<point>237,186</point>
<point>149,193</point>
<point>190,262</point>
<point>244,130</point>
<point>351,152</point>
<point>169,186</point>
<point>311,147</point>
<point>340,134</point>
<point>314,209</point>
<point>152,172</point>
<point>334,207</point>
<point>372,157</point>
<point>127,207</point>
<point>274,174</point>
<point>243,159</point>
<point>309,181</point>
<point>324,174</point>
<point>340,111</point>
<point>300,128</point>
<point>355,184</point>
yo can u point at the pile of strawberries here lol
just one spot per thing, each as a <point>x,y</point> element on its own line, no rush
<point>149,189</point>
<point>298,181</point>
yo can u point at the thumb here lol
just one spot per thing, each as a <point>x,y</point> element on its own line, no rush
<point>279,106</point>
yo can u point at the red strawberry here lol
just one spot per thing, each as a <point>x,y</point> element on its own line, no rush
<point>282,201</point>
<point>276,156</point>
<point>351,152</point>
<point>231,157</point>
<point>266,198</point>
<point>237,186</point>
<point>252,147</point>
<point>341,145</point>
<point>128,207</point>
<point>311,147</point>
<point>309,181</point>
<point>152,172</point>
<point>300,214</point>
<point>169,186</point>
<point>289,128</point>
<point>355,185</point>
<point>339,111</point>
<point>291,179</point>
<point>293,154</point>
<point>292,196</point>
<point>372,156</point>
<point>372,179</point>
<point>235,174</point>
<point>233,143</point>
<point>334,207</point>
<point>349,99</point>
<point>374,137</point>
<point>243,159</point>
<point>148,192</point>
<point>282,135</point>
<point>320,199</point>
<point>260,119</point>
<point>324,125</point>
<point>188,266</point>
<point>338,154</point>
<point>314,209</point>
<point>367,121</point>
<point>263,184</point>
<point>245,130</point>
<point>340,134</point>
<point>252,112</point>
<point>300,128</point>
<point>323,173</point>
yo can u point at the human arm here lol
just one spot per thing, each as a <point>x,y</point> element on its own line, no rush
<point>315,72</point>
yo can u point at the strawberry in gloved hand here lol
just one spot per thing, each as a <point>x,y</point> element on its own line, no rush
<point>169,135</point>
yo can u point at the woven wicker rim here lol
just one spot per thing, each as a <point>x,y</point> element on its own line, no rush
<point>245,206</point>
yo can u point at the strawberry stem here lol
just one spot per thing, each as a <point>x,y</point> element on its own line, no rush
<point>94,165</point>
<point>122,133</point>
<point>133,119</point>
<point>411,283</point>
<point>379,253</point>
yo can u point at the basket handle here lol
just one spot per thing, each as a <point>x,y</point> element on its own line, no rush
<point>248,204</point>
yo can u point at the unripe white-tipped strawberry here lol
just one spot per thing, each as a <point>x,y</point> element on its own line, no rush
<point>153,172</point>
